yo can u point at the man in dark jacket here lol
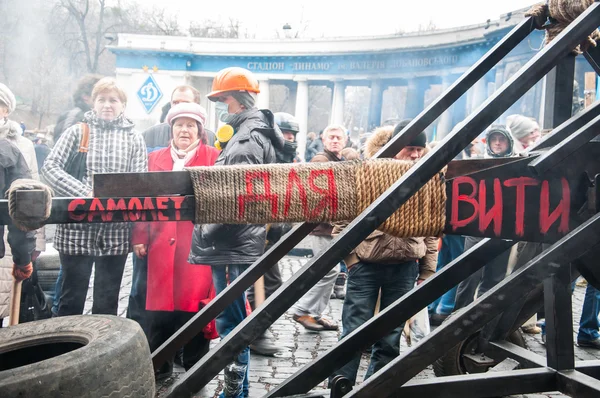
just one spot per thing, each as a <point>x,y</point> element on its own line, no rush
<point>22,244</point>
<point>230,249</point>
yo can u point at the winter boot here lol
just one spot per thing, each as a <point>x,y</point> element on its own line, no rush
<point>264,344</point>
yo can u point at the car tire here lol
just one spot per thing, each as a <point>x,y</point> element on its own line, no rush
<point>76,356</point>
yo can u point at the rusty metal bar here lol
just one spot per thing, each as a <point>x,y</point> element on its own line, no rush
<point>472,318</point>
<point>211,364</point>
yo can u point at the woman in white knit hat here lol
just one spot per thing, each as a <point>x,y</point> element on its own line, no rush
<point>525,130</point>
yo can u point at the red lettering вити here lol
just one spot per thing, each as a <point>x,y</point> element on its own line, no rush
<point>252,197</point>
<point>456,198</point>
<point>96,210</point>
<point>562,210</point>
<point>495,212</point>
<point>161,204</point>
<point>520,183</point>
<point>135,204</point>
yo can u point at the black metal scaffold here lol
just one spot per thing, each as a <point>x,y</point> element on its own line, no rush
<point>569,153</point>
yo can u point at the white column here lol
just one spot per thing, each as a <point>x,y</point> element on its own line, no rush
<point>262,102</point>
<point>479,93</point>
<point>445,122</point>
<point>337,105</point>
<point>301,113</point>
<point>211,112</point>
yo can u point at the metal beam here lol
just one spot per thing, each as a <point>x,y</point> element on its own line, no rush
<point>526,358</point>
<point>558,105</point>
<point>577,384</point>
<point>590,368</point>
<point>253,326</point>
<point>480,385</point>
<point>480,312</point>
<point>367,334</point>
<point>593,57</point>
<point>559,155</point>
<point>559,319</point>
<point>563,131</point>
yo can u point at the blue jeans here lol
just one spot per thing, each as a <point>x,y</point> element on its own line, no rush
<point>364,282</point>
<point>588,324</point>
<point>452,247</point>
<point>236,373</point>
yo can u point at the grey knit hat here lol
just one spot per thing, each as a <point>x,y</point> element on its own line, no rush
<point>7,98</point>
<point>521,126</point>
<point>245,98</point>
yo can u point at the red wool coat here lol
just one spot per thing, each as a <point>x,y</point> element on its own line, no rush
<point>173,283</point>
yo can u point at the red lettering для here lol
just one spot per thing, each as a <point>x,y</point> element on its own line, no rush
<point>73,206</point>
<point>520,183</point>
<point>119,206</point>
<point>161,204</point>
<point>330,199</point>
<point>495,213</point>
<point>562,210</point>
<point>456,198</point>
<point>294,181</point>
<point>178,200</point>
<point>251,197</point>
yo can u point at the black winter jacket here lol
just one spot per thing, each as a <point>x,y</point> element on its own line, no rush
<point>13,167</point>
<point>255,140</point>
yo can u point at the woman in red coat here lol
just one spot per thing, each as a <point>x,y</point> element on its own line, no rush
<point>176,289</point>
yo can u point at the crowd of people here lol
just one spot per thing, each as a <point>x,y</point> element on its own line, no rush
<point>178,267</point>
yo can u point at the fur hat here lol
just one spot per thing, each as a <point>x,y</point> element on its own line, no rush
<point>7,98</point>
<point>521,126</point>
<point>187,109</point>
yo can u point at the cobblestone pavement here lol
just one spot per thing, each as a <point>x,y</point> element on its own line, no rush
<point>299,346</point>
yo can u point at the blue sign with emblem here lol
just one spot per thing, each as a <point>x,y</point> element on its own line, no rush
<point>149,94</point>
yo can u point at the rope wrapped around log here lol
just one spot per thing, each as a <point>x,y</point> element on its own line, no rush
<point>555,15</point>
<point>314,192</point>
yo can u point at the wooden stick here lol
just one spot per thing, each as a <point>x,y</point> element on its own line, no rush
<point>259,291</point>
<point>15,303</point>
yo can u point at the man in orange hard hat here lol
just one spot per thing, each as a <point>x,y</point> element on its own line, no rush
<point>252,138</point>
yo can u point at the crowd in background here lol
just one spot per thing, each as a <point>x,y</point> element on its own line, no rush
<point>178,267</point>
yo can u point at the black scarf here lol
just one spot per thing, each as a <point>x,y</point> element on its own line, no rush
<point>288,153</point>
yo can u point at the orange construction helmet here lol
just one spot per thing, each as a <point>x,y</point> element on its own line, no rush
<point>233,79</point>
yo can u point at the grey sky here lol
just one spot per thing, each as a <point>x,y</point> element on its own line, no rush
<point>342,17</point>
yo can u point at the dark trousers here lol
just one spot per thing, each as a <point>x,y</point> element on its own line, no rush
<point>272,280</point>
<point>483,280</point>
<point>163,324</point>
<point>364,283</point>
<point>76,272</point>
<point>136,310</point>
